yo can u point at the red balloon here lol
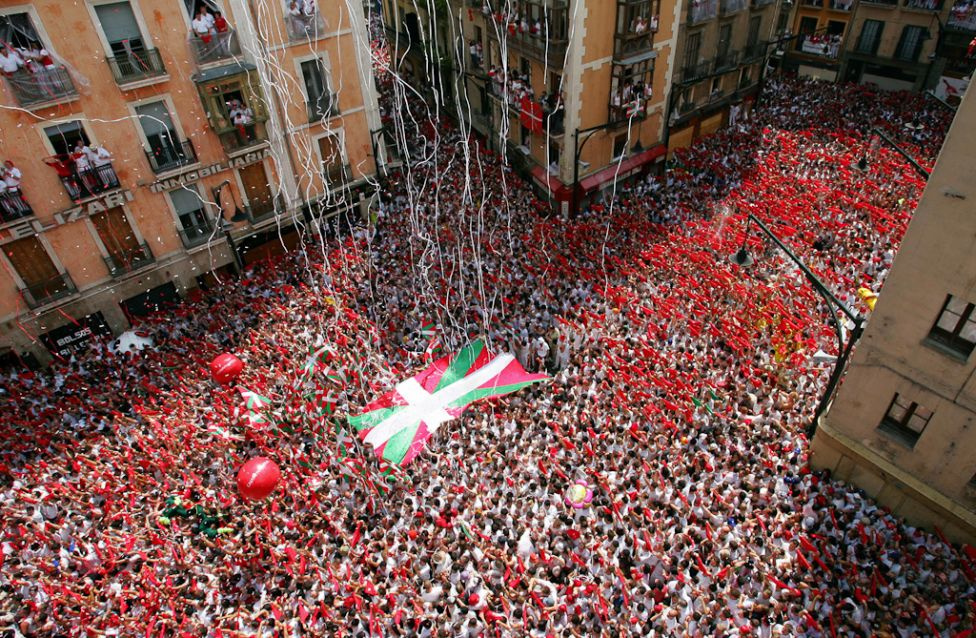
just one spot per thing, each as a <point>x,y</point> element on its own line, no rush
<point>258,478</point>
<point>225,368</point>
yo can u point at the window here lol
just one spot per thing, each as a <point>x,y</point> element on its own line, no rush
<point>120,28</point>
<point>910,44</point>
<point>630,90</point>
<point>333,165</point>
<point>190,210</point>
<point>42,281</point>
<point>754,23</point>
<point>619,146</point>
<point>956,326</point>
<point>125,252</point>
<point>905,420</point>
<point>693,45</point>
<point>724,39</point>
<point>870,37</point>
<point>165,149</point>
<point>258,193</point>
<point>64,137</point>
<point>321,100</point>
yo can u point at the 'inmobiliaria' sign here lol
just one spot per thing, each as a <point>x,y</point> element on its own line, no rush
<point>207,171</point>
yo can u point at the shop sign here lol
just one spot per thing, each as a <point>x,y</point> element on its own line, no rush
<point>219,167</point>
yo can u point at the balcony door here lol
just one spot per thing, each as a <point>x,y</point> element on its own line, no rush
<point>330,152</point>
<point>117,236</point>
<point>122,32</point>
<point>254,178</point>
<point>320,99</point>
<point>35,267</point>
<point>157,126</point>
<point>64,137</point>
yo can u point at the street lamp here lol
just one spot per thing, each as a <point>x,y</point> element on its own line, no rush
<point>862,164</point>
<point>225,226</point>
<point>744,259</point>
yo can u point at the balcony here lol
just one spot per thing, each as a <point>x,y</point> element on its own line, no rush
<point>962,16</point>
<point>221,46</point>
<point>628,45</point>
<point>90,182</point>
<point>838,5</point>
<point>44,86</point>
<point>325,107</point>
<point>305,27</point>
<point>883,3</point>
<point>726,61</point>
<point>732,6</point>
<point>196,235</point>
<point>924,5</point>
<point>754,52</point>
<point>44,292</point>
<point>822,45</point>
<point>702,10</point>
<point>136,66</point>
<point>239,138</point>
<point>171,157</point>
<point>13,206</point>
<point>130,260</point>
<point>694,72</point>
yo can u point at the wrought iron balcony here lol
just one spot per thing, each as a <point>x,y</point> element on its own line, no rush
<point>90,182</point>
<point>215,48</point>
<point>136,66</point>
<point>840,5</point>
<point>726,61</point>
<point>305,27</point>
<point>702,10</point>
<point>41,86</point>
<point>238,138</point>
<point>196,235</point>
<point>325,107</point>
<point>627,45</point>
<point>168,158</point>
<point>13,205</point>
<point>731,6</point>
<point>129,260</point>
<point>754,52</point>
<point>44,292</point>
<point>924,5</point>
<point>694,72</point>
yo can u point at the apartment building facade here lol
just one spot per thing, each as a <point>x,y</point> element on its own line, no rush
<point>903,424</point>
<point>573,92</point>
<point>156,148</point>
<point>722,48</point>
<point>907,44</point>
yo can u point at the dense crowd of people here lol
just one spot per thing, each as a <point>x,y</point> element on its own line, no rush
<point>681,391</point>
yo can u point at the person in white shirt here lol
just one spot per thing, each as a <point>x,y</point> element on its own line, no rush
<point>10,61</point>
<point>203,25</point>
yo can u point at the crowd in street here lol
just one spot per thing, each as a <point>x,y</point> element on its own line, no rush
<point>681,390</point>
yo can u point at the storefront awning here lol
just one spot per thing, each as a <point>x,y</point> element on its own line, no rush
<point>550,183</point>
<point>234,68</point>
<point>627,167</point>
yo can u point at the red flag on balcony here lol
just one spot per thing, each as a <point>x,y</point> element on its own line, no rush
<point>531,115</point>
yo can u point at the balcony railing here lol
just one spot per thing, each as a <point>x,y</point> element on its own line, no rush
<point>726,61</point>
<point>196,235</point>
<point>695,71</point>
<point>256,211</point>
<point>702,10</point>
<point>245,136</point>
<point>41,293</point>
<point>762,3</point>
<point>962,16</point>
<point>13,205</point>
<point>41,86</point>
<point>924,5</point>
<point>884,3</point>
<point>130,260</point>
<point>215,48</point>
<point>171,157</point>
<point>325,107</point>
<point>537,45</point>
<point>838,5</point>
<point>305,27</point>
<point>136,66</point>
<point>824,45</point>
<point>628,45</point>
<point>90,182</point>
<point>754,52</point>
<point>731,6</point>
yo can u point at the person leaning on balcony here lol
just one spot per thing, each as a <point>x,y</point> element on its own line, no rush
<point>64,167</point>
<point>295,16</point>
<point>10,178</point>
<point>222,30</point>
<point>100,157</point>
<point>203,25</point>
<point>10,60</point>
<point>82,155</point>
